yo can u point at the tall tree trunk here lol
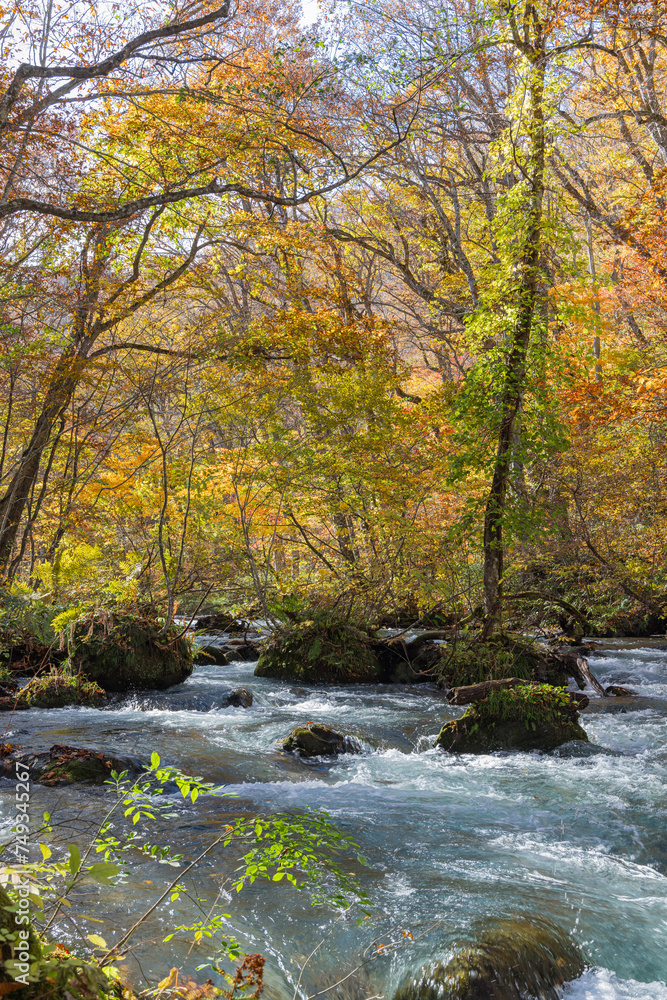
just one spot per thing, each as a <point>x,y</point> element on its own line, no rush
<point>527,296</point>
<point>59,393</point>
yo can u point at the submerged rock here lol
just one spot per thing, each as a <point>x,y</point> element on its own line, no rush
<point>240,698</point>
<point>328,651</point>
<point>527,717</point>
<point>61,765</point>
<point>315,740</point>
<point>510,960</point>
<point>123,652</point>
<point>54,690</point>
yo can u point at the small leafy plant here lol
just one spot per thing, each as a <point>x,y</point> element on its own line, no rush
<point>305,850</point>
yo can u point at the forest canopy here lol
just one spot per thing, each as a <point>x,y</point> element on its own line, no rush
<point>366,313</point>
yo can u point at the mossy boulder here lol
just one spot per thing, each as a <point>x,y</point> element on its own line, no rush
<point>124,652</point>
<point>61,765</point>
<point>326,651</point>
<point>510,960</point>
<point>204,655</point>
<point>57,689</point>
<point>525,717</point>
<point>315,740</point>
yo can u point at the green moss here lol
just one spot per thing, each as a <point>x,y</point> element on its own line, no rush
<point>526,717</point>
<point>510,960</point>
<point>122,651</point>
<point>65,765</point>
<point>326,651</point>
<point>56,689</point>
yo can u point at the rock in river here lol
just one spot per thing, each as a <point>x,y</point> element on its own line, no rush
<point>61,765</point>
<point>240,698</point>
<point>122,651</point>
<point>210,654</point>
<point>526,717</point>
<point>327,651</point>
<point>509,960</point>
<point>54,690</point>
<point>315,740</point>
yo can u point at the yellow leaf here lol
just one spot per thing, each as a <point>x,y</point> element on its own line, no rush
<point>169,981</point>
<point>99,941</point>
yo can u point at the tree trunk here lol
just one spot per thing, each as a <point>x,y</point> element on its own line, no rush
<point>59,393</point>
<point>527,296</point>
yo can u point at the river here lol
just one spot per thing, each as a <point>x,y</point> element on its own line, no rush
<point>579,835</point>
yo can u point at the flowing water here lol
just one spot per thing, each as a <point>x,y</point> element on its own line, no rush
<point>578,836</point>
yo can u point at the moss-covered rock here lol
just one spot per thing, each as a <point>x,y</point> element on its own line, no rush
<point>314,740</point>
<point>122,652</point>
<point>510,960</point>
<point>57,689</point>
<point>526,717</point>
<point>61,765</point>
<point>326,651</point>
<point>204,655</point>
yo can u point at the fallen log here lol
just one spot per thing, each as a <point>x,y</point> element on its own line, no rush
<point>469,693</point>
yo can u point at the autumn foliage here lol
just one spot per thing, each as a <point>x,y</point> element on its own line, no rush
<point>359,313</point>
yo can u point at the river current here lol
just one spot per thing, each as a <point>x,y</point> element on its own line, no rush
<point>578,836</point>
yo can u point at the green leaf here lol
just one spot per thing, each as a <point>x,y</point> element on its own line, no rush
<point>74,859</point>
<point>103,871</point>
<point>46,852</point>
<point>155,760</point>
